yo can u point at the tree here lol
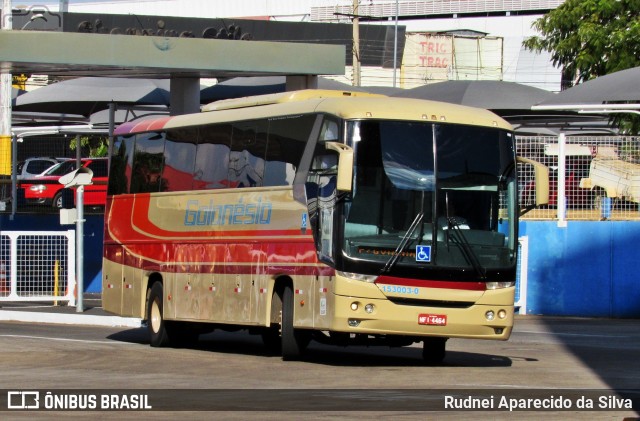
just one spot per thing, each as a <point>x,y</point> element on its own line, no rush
<point>590,38</point>
<point>97,145</point>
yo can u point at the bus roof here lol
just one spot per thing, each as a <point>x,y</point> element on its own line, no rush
<point>343,104</point>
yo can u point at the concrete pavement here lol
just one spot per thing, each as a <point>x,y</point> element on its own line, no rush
<point>47,312</point>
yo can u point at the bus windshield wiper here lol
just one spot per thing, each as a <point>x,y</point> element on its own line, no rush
<point>403,243</point>
<point>467,250</point>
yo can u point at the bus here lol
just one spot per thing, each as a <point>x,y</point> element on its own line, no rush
<point>339,217</point>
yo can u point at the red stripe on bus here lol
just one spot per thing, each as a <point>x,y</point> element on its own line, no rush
<point>285,265</point>
<point>472,286</point>
<point>141,126</point>
<point>256,255</point>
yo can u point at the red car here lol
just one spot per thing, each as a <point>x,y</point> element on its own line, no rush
<point>575,196</point>
<point>47,190</point>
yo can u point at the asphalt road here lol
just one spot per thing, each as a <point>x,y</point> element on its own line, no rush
<point>545,357</point>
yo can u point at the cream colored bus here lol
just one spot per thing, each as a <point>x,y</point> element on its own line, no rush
<point>338,217</point>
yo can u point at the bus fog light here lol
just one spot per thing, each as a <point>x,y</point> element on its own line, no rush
<point>354,306</point>
<point>502,314</point>
<point>498,330</point>
<point>353,323</point>
<point>369,308</point>
<point>490,315</point>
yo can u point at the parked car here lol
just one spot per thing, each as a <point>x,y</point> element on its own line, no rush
<point>32,167</point>
<point>613,178</point>
<point>576,167</point>
<point>46,189</point>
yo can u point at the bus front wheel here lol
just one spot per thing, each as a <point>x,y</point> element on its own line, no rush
<point>155,318</point>
<point>434,350</point>
<point>294,341</point>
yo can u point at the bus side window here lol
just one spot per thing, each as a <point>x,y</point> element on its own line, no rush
<point>321,198</point>
<point>246,158</point>
<point>325,161</point>
<point>120,171</point>
<point>287,141</point>
<point>212,158</point>
<point>148,161</point>
<point>180,159</point>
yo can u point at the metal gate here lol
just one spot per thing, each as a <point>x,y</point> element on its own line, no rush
<point>37,266</point>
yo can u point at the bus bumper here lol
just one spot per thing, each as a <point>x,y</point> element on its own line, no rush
<point>387,317</point>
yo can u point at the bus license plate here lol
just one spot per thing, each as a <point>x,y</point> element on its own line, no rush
<point>432,319</point>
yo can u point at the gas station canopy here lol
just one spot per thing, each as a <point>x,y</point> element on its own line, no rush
<point>183,60</point>
<point>77,54</point>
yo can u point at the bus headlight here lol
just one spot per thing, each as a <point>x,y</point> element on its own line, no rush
<point>490,315</point>
<point>358,276</point>
<point>499,285</point>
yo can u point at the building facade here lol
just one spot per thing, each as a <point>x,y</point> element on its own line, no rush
<point>445,39</point>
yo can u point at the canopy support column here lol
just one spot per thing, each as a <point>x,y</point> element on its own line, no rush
<point>184,95</point>
<point>296,83</point>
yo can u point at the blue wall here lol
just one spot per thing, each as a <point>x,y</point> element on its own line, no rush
<point>589,268</point>
<point>93,236</point>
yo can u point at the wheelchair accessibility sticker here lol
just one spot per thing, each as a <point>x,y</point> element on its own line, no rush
<point>423,253</point>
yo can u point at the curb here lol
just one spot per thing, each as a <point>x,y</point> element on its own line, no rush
<point>69,319</point>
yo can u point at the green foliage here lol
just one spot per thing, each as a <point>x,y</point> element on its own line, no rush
<point>98,146</point>
<point>629,152</point>
<point>590,38</point>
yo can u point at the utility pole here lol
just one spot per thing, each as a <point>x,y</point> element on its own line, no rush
<point>395,46</point>
<point>356,44</point>
<point>5,101</point>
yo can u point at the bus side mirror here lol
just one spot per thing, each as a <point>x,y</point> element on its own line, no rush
<point>345,165</point>
<point>541,179</point>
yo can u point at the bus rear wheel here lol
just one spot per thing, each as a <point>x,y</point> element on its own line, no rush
<point>155,318</point>
<point>434,350</point>
<point>294,341</point>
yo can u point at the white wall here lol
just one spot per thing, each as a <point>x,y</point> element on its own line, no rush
<point>519,65</point>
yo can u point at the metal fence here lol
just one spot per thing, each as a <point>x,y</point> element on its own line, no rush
<point>595,177</point>
<point>37,266</point>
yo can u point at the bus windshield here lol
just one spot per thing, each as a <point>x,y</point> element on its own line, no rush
<point>431,195</point>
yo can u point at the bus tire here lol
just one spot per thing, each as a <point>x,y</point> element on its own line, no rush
<point>434,350</point>
<point>157,326</point>
<point>294,341</point>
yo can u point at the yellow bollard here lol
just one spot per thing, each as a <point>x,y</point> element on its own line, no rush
<point>5,155</point>
<point>55,282</point>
